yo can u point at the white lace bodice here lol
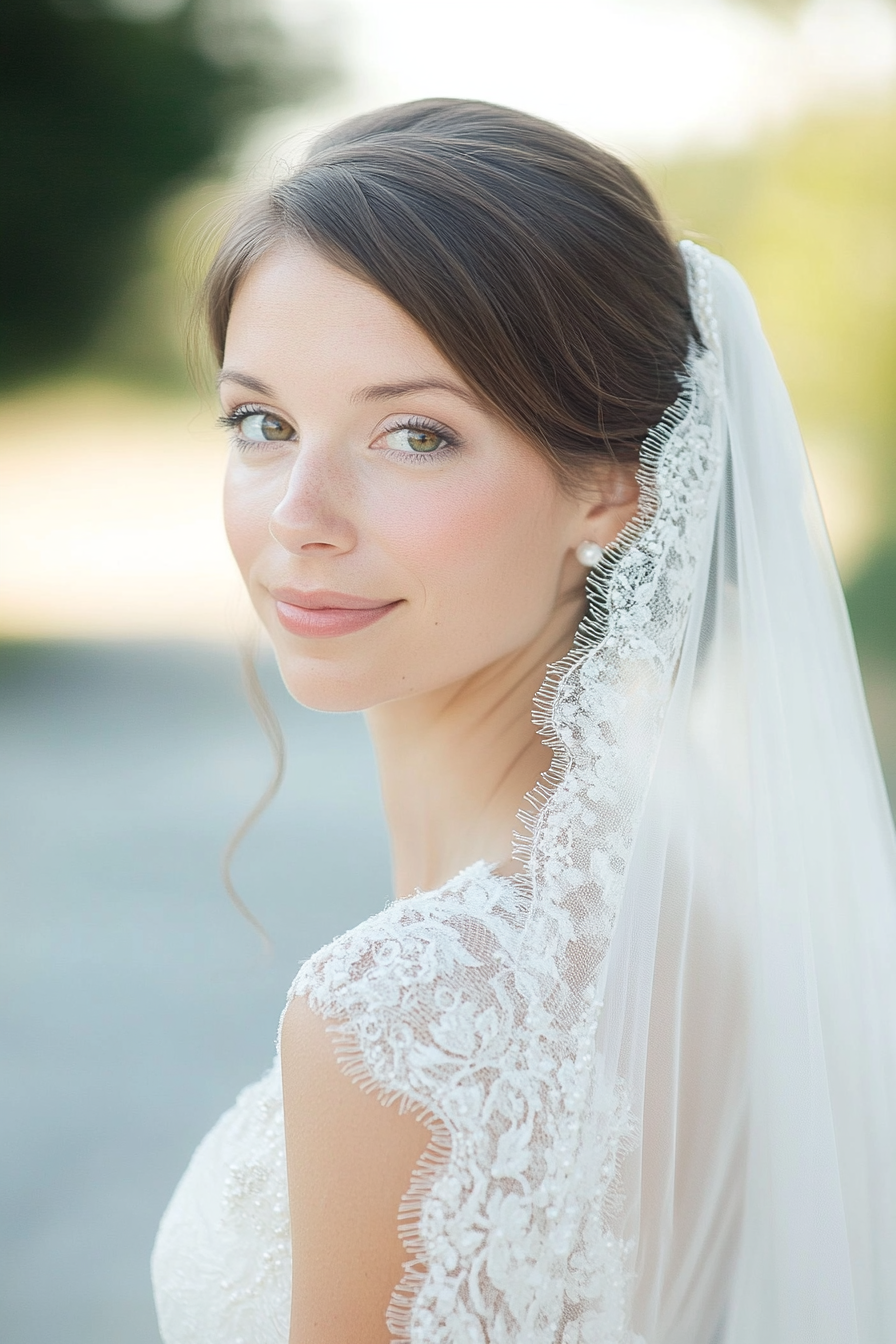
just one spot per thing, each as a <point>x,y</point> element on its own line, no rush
<point>221,1264</point>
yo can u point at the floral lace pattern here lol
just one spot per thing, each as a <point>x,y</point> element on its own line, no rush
<point>480,1004</point>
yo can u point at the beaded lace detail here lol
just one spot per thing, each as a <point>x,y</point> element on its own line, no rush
<point>222,1260</point>
<point>480,1004</point>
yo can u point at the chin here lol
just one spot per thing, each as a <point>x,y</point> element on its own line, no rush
<point>331,688</point>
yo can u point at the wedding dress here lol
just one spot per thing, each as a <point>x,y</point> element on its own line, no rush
<point>659,1068</point>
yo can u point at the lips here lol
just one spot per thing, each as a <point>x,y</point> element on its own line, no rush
<point>322,614</point>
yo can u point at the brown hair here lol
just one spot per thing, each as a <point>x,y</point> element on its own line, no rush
<point>538,264</point>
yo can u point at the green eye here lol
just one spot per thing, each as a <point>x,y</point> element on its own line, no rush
<point>264,427</point>
<point>415,440</point>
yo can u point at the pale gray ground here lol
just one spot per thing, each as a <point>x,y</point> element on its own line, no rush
<point>135,1002</point>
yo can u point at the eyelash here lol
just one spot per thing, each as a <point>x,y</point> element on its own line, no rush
<point>449,448</point>
<point>232,420</point>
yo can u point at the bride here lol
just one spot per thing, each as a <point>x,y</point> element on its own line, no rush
<point>618,1064</point>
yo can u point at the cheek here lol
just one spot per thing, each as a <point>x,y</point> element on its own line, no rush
<point>487,557</point>
<point>249,499</point>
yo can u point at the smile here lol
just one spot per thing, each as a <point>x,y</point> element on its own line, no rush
<point>322,614</point>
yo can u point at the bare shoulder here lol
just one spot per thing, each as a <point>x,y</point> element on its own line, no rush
<point>350,1161</point>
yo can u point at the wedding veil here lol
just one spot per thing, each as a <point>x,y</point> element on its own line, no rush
<point>711,937</point>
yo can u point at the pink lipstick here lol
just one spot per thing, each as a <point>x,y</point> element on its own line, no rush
<point>322,614</point>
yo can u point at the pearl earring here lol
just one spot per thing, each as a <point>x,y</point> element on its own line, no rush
<point>589,554</point>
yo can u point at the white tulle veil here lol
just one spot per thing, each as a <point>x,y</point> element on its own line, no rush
<point>712,897</point>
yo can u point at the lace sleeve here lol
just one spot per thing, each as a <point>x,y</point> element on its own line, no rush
<point>426,1007</point>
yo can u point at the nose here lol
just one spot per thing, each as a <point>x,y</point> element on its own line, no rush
<point>312,515</point>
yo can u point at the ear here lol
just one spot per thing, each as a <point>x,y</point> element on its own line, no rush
<point>611,503</point>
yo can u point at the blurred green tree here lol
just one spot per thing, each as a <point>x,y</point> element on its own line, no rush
<point>105,109</point>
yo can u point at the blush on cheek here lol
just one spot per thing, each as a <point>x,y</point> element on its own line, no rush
<point>475,510</point>
<point>437,539</point>
<point>435,530</point>
<point>484,553</point>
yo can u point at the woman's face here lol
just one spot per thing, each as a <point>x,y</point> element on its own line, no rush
<point>394,535</point>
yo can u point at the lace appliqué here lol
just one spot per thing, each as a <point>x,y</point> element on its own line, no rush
<point>430,997</point>
<point>480,1004</point>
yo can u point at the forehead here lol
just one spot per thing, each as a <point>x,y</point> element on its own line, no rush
<point>295,311</point>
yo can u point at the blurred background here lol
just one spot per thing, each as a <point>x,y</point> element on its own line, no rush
<point>135,1001</point>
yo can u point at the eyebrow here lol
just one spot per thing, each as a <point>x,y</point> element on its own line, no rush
<point>244,380</point>
<point>376,392</point>
<point>383,391</point>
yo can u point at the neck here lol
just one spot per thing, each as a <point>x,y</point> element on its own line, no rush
<point>456,764</point>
